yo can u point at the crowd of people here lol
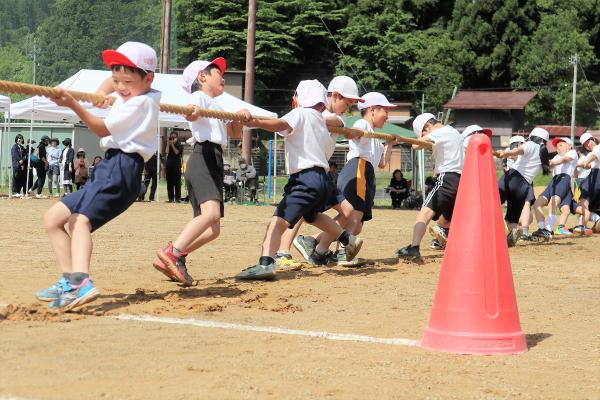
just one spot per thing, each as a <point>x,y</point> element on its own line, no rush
<point>32,164</point>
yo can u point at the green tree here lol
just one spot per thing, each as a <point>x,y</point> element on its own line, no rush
<point>544,65</point>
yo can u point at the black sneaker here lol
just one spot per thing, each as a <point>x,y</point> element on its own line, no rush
<point>543,233</point>
<point>513,237</point>
<point>322,259</point>
<point>435,245</point>
<point>408,252</point>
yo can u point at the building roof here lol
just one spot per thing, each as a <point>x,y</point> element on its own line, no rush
<point>484,100</point>
<point>562,130</point>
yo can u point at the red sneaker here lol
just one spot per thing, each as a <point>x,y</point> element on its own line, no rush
<point>175,264</point>
<point>160,266</point>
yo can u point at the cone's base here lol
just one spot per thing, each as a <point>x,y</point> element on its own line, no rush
<point>472,343</point>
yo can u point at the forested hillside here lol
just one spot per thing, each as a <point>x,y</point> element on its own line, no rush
<point>403,48</point>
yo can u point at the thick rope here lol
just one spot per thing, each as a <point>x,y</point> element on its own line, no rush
<point>94,98</point>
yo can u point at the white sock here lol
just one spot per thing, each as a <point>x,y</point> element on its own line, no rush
<point>594,217</point>
<point>541,225</point>
<point>551,220</point>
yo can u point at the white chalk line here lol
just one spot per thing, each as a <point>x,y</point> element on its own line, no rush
<point>269,329</point>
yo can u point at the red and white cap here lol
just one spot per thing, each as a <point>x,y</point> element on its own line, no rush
<point>190,73</point>
<point>419,123</point>
<point>345,86</point>
<point>310,93</point>
<point>373,99</point>
<point>471,129</point>
<point>131,54</point>
<point>540,132</point>
<point>585,137</point>
<point>555,141</point>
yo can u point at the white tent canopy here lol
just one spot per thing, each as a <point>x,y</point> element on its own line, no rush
<point>87,80</point>
<point>4,104</point>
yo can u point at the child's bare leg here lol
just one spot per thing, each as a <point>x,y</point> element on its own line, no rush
<point>354,225</point>
<point>537,209</point>
<point>207,236</point>
<point>585,206</point>
<point>54,221</point>
<point>288,237</point>
<point>344,210</point>
<point>210,214</point>
<point>81,242</point>
<point>443,222</point>
<point>273,236</point>
<point>564,214</point>
<point>331,231</point>
<point>425,215</point>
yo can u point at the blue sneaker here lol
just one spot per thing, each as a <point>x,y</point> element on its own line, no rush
<point>53,292</point>
<point>72,296</point>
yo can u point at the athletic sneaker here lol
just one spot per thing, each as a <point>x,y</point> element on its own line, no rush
<point>580,230</point>
<point>562,231</point>
<point>285,262</point>
<point>305,245</point>
<point>175,264</point>
<point>258,273</point>
<point>341,258</point>
<point>353,247</point>
<point>408,252</point>
<point>543,233</point>
<point>321,259</point>
<point>75,296</point>
<point>435,245</point>
<point>513,237</point>
<point>53,292</point>
<point>596,227</point>
<point>527,237</point>
<point>439,233</point>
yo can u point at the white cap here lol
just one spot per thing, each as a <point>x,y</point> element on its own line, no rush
<point>345,86</point>
<point>516,139</point>
<point>540,132</point>
<point>372,99</point>
<point>420,121</point>
<point>471,129</point>
<point>190,73</point>
<point>131,54</point>
<point>585,137</point>
<point>310,93</point>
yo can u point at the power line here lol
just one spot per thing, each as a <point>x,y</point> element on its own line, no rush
<point>587,80</point>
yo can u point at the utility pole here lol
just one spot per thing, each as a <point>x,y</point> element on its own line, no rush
<point>34,59</point>
<point>249,81</point>
<point>165,58</point>
<point>574,60</point>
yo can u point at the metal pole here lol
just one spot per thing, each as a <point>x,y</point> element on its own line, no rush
<point>269,169</point>
<point>421,155</point>
<point>29,146</point>
<point>574,60</point>
<point>275,166</point>
<point>249,79</point>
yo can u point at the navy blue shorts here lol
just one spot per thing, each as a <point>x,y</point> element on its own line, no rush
<point>304,196</point>
<point>335,195</point>
<point>357,184</point>
<point>515,191</point>
<point>559,186</point>
<point>590,189</point>
<point>116,185</point>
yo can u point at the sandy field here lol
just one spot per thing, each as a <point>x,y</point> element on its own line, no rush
<point>97,354</point>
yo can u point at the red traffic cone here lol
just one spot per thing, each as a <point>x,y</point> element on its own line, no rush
<point>474,310</point>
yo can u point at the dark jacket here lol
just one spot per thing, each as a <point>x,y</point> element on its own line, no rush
<point>18,153</point>
<point>68,154</point>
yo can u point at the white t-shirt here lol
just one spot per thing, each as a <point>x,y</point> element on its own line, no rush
<point>207,129</point>
<point>582,173</point>
<point>327,114</point>
<point>510,163</point>
<point>308,144</point>
<point>448,150</point>
<point>565,168</point>
<point>368,149</point>
<point>529,163</point>
<point>596,151</point>
<point>133,125</point>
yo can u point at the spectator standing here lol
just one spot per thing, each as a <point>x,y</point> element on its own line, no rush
<point>54,153</point>
<point>333,172</point>
<point>174,152</point>
<point>41,166</point>
<point>92,168</point>
<point>228,182</point>
<point>150,176</point>
<point>19,166</point>
<point>398,188</point>
<point>67,166</point>
<point>247,175</point>
<point>81,168</point>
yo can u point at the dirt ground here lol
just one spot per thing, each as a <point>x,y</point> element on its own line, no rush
<point>92,354</point>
